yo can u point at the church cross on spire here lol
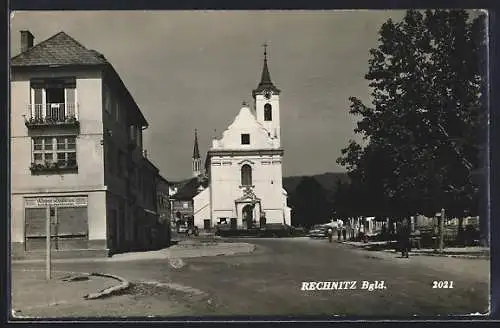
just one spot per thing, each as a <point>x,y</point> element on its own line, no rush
<point>265,79</point>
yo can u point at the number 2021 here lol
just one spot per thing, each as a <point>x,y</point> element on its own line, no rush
<point>442,284</point>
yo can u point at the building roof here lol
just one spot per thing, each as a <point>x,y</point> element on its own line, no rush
<point>265,80</point>
<point>60,49</point>
<point>190,189</point>
<point>196,150</point>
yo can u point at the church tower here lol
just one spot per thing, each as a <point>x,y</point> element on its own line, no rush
<point>196,156</point>
<point>266,101</point>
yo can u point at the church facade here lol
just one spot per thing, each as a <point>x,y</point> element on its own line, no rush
<point>244,167</point>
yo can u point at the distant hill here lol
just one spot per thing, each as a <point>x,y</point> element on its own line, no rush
<point>327,180</point>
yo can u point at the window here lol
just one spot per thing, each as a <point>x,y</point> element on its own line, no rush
<point>132,134</point>
<point>117,111</point>
<point>107,99</point>
<point>245,139</point>
<point>268,112</point>
<point>246,175</point>
<point>110,157</point>
<point>54,99</point>
<point>185,205</point>
<point>133,176</point>
<point>60,150</point>
<point>119,164</point>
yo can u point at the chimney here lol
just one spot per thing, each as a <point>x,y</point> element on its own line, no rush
<point>26,40</point>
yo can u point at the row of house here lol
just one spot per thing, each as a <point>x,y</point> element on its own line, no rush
<point>78,157</point>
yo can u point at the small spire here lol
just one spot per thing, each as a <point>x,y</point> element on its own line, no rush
<point>266,77</point>
<point>196,150</point>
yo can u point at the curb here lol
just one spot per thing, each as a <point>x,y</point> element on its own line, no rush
<point>458,256</point>
<point>124,284</point>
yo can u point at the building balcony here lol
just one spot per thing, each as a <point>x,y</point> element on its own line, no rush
<point>52,114</point>
<point>58,167</point>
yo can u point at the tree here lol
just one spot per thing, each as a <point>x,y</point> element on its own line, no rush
<point>422,129</point>
<point>309,203</point>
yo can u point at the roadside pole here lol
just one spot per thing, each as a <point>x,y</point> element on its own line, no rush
<point>48,244</point>
<point>441,231</point>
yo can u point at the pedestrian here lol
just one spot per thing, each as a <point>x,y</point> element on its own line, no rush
<point>344,231</point>
<point>339,229</point>
<point>330,234</point>
<point>404,236</point>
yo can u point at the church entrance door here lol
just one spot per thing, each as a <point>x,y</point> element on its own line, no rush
<point>248,215</point>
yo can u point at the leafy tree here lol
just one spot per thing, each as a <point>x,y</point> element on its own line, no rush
<point>309,203</point>
<point>422,129</point>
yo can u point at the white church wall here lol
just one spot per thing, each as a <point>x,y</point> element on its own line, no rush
<point>274,125</point>
<point>201,208</point>
<point>245,123</point>
<point>266,179</point>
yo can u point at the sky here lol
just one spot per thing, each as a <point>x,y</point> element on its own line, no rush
<point>193,69</point>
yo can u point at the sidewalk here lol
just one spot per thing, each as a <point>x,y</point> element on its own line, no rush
<point>35,297</point>
<point>184,249</point>
<point>188,249</point>
<point>32,295</point>
<point>458,252</point>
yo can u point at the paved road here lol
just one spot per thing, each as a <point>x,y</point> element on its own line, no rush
<point>268,282</point>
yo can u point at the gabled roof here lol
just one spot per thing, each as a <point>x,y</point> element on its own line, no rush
<point>190,189</point>
<point>245,122</point>
<point>58,50</point>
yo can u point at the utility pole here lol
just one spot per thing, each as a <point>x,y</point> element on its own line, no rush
<point>48,236</point>
<point>441,231</point>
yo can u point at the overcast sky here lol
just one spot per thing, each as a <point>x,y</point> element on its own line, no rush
<point>190,70</point>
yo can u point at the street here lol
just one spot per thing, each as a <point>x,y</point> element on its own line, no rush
<point>269,280</point>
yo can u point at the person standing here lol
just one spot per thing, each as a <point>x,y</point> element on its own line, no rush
<point>344,231</point>
<point>339,229</point>
<point>404,236</point>
<point>330,234</point>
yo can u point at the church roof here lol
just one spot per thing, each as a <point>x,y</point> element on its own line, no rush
<point>59,49</point>
<point>196,150</point>
<point>265,80</point>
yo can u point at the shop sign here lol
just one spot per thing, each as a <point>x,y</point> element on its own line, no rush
<point>35,202</point>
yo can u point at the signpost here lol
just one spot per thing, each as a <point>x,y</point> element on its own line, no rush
<point>48,248</point>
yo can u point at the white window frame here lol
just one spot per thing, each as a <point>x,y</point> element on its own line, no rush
<point>54,151</point>
<point>44,102</point>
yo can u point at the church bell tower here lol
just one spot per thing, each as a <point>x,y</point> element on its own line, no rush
<point>266,97</point>
<point>196,156</point>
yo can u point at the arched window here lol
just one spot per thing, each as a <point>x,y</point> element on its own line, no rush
<point>246,175</point>
<point>268,112</point>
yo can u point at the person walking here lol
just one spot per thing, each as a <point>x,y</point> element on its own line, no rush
<point>344,231</point>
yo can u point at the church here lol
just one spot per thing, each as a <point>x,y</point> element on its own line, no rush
<point>244,167</point>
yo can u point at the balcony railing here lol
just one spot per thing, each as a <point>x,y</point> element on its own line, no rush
<point>54,167</point>
<point>65,114</point>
